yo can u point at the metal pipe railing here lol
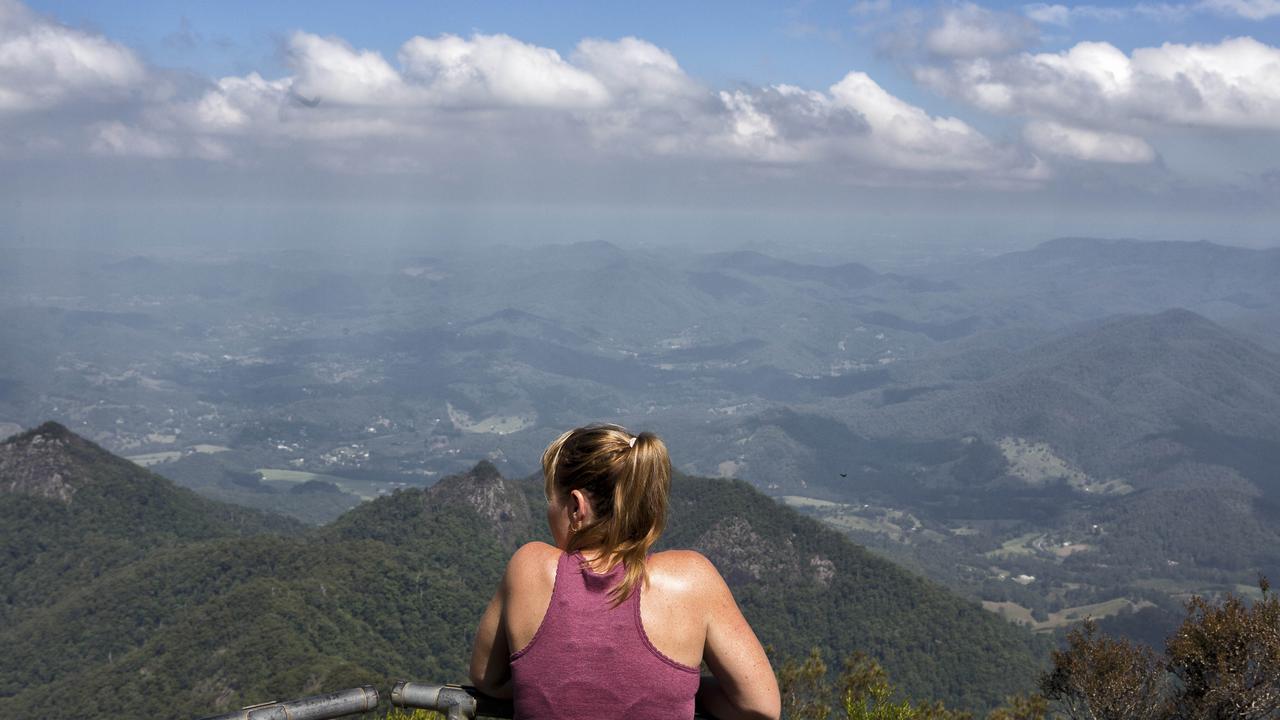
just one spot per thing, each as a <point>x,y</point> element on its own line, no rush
<point>316,707</point>
<point>460,702</point>
<point>457,702</point>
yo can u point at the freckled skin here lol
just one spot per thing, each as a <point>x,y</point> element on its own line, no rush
<point>687,610</point>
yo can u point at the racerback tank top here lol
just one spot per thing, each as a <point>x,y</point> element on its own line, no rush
<point>589,660</point>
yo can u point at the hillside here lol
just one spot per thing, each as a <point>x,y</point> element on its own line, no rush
<point>214,619</point>
<point>1100,392</point>
<point>1071,279</point>
<point>72,512</point>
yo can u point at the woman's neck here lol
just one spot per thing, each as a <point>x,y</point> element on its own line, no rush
<point>595,558</point>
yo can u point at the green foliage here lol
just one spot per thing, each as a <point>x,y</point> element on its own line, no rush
<point>862,691</point>
<point>140,599</point>
<point>806,694</point>
<point>803,585</point>
<point>1226,658</point>
<point>402,714</point>
<point>1223,662</point>
<point>1105,678</point>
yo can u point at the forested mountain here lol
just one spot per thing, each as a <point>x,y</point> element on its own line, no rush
<point>72,513</point>
<point>1071,279</point>
<point>1029,428</point>
<point>1095,392</point>
<point>205,608</point>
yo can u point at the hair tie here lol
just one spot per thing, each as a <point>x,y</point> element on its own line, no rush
<point>632,441</point>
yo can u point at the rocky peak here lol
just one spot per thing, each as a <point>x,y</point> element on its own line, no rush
<point>484,490</point>
<point>41,462</point>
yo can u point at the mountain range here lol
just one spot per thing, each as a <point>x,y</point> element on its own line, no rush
<point>127,596</point>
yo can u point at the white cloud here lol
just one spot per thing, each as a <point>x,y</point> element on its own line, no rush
<point>497,69</point>
<point>968,30</point>
<point>1227,85</point>
<point>116,138</point>
<point>331,70</point>
<point>879,137</point>
<point>626,97</point>
<point>44,64</point>
<point>446,103</point>
<point>905,136</point>
<point>1064,15</point>
<point>1049,14</point>
<point>1053,138</point>
<point>636,71</point>
<point>1251,9</point>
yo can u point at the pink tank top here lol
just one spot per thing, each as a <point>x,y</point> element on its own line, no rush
<point>589,661</point>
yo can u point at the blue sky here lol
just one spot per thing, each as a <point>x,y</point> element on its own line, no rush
<point>1066,116</point>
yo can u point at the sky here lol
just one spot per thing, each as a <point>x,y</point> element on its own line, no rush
<point>941,122</point>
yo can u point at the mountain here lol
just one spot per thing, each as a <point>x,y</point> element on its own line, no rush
<point>1104,394</point>
<point>216,618</point>
<point>846,276</point>
<point>71,512</point>
<point>1127,460</point>
<point>1077,278</point>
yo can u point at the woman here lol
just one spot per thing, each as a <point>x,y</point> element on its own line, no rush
<point>596,627</point>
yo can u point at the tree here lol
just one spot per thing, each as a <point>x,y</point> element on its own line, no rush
<point>1223,662</point>
<point>862,691</point>
<point>804,688</point>
<point>1227,659</point>
<point>1101,678</point>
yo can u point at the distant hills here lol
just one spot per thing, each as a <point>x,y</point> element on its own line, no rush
<point>1100,391</point>
<point>1052,414</point>
<point>129,597</point>
<point>1071,279</point>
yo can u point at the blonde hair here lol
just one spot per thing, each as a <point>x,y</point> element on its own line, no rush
<point>626,479</point>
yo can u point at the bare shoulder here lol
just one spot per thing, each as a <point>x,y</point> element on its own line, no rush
<point>686,571</point>
<point>532,564</point>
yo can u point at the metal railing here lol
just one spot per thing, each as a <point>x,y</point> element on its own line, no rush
<point>314,707</point>
<point>456,702</point>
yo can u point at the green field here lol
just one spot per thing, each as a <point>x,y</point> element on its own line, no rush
<point>1067,616</point>
<point>1016,546</point>
<point>155,458</point>
<point>364,489</point>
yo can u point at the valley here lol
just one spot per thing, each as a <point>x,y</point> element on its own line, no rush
<point>1027,415</point>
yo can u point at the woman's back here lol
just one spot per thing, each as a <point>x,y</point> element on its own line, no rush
<point>621,633</point>
<point>590,658</point>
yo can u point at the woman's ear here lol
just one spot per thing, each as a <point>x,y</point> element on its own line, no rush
<point>580,506</point>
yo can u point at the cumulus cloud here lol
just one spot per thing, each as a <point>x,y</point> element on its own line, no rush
<point>331,69</point>
<point>859,123</point>
<point>1064,15</point>
<point>496,69</point>
<point>44,64</point>
<point>968,30</point>
<point>905,136</point>
<point>444,103</point>
<point>1227,85</point>
<point>636,71</point>
<point>116,138</point>
<point>625,97</point>
<point>1053,138</point>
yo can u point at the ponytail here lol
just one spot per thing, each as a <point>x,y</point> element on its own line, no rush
<point>627,479</point>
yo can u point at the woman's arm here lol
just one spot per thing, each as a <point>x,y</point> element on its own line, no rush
<point>744,685</point>
<point>490,657</point>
